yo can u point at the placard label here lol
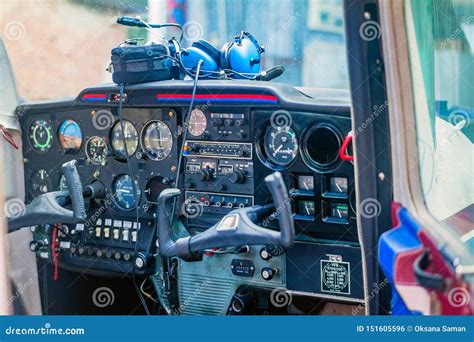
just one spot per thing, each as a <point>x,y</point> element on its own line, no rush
<point>335,277</point>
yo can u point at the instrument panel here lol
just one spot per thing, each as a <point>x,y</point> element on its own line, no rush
<point>228,150</point>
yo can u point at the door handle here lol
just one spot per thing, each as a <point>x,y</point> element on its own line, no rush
<point>426,279</point>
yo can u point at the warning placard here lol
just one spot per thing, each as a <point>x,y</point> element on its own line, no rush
<point>335,277</point>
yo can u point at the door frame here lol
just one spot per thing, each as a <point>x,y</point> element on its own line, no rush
<point>371,143</point>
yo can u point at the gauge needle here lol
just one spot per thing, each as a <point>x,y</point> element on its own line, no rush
<point>307,210</point>
<point>338,213</point>
<point>277,150</point>
<point>305,185</point>
<point>340,189</point>
<point>124,190</point>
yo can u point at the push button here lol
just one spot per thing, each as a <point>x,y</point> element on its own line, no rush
<point>116,234</point>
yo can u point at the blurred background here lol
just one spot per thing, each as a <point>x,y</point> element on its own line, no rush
<point>59,47</point>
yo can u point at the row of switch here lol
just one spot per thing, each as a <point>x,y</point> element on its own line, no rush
<point>127,234</point>
<point>141,260</point>
<point>96,252</point>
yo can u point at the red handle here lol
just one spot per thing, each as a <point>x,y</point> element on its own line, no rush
<point>8,137</point>
<point>343,150</point>
<point>54,252</point>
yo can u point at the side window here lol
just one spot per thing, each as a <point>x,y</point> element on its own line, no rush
<point>441,45</point>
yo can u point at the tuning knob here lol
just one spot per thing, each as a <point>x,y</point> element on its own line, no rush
<point>237,176</point>
<point>204,175</point>
<point>264,254</point>
<point>268,273</point>
<point>142,260</point>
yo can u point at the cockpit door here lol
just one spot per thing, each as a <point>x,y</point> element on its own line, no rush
<point>17,263</point>
<point>428,255</point>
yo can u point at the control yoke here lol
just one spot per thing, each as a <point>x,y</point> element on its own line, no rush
<point>49,208</point>
<point>237,228</point>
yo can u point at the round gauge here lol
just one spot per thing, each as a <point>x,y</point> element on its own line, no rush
<point>41,135</point>
<point>281,145</point>
<point>40,183</point>
<point>131,139</point>
<point>70,136</point>
<point>96,150</point>
<point>197,122</point>
<point>122,191</point>
<point>157,140</point>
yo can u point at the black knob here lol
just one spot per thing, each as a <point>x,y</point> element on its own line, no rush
<point>36,245</point>
<point>268,273</point>
<point>228,122</point>
<point>238,176</point>
<point>204,175</point>
<point>264,254</point>
<point>190,185</point>
<point>142,260</point>
<point>217,122</point>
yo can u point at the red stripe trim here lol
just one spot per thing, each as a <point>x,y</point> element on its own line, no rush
<point>219,96</point>
<point>94,96</point>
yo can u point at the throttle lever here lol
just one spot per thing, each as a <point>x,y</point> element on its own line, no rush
<point>74,187</point>
<point>235,229</point>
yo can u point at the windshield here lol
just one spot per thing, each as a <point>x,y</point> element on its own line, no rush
<point>58,48</point>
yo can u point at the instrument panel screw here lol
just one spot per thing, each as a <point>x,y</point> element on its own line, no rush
<point>173,168</point>
<point>170,114</point>
<point>96,174</point>
<point>382,176</point>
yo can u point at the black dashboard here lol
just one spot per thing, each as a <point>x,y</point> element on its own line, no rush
<point>238,133</point>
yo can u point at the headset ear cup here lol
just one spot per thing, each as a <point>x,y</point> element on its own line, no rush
<point>209,49</point>
<point>225,63</point>
<point>243,56</point>
<point>201,50</point>
<point>174,47</point>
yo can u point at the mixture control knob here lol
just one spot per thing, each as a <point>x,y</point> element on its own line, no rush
<point>238,176</point>
<point>268,273</point>
<point>204,175</point>
<point>142,260</point>
<point>264,254</point>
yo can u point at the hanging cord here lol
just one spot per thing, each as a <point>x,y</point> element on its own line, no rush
<point>185,134</point>
<point>135,194</point>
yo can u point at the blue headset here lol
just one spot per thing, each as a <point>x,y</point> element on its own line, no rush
<point>240,58</point>
<point>242,55</point>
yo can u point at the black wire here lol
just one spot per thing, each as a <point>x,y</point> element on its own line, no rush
<point>185,134</point>
<point>137,198</point>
